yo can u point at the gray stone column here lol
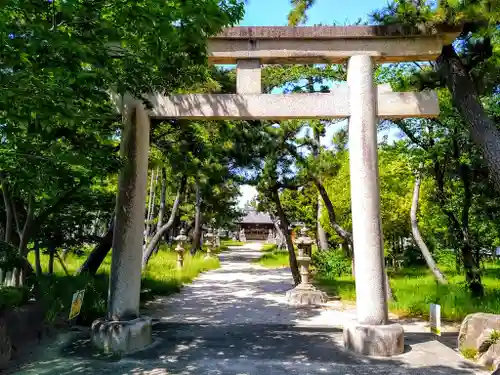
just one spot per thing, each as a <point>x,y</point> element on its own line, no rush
<point>370,335</point>
<point>365,193</point>
<point>248,77</point>
<point>123,331</point>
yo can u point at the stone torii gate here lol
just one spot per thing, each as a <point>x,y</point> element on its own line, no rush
<point>123,330</point>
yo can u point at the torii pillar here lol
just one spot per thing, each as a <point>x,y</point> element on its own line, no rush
<point>371,334</point>
<point>124,331</point>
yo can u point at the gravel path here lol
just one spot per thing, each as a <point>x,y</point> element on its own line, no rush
<point>234,321</point>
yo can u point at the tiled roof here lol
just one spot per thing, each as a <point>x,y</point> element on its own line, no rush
<point>254,217</point>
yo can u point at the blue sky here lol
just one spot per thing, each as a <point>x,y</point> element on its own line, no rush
<point>325,12</point>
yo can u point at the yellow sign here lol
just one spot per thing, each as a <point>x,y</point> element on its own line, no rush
<point>76,304</point>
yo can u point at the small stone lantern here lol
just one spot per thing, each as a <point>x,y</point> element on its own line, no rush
<point>210,240</point>
<point>305,294</point>
<point>180,239</point>
<point>217,239</point>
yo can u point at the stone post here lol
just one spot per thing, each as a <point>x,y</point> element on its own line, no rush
<point>124,331</point>
<point>305,294</point>
<point>370,335</point>
<point>210,239</point>
<point>180,239</point>
<point>270,236</point>
<point>243,237</point>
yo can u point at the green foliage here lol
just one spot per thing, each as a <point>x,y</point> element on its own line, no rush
<point>469,353</point>
<point>56,293</point>
<point>161,278</point>
<point>447,258</point>
<point>495,336</point>
<point>60,130</point>
<point>396,182</point>
<point>299,205</point>
<point>9,257</point>
<point>331,264</point>
<point>416,288</point>
<point>12,297</point>
<point>298,13</point>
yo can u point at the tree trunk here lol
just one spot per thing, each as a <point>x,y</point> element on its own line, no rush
<point>471,265</point>
<point>9,215</point>
<point>281,236</point>
<point>38,266</point>
<point>345,235</point>
<point>482,129</point>
<point>28,224</point>
<point>322,238</point>
<point>150,203</point>
<point>418,238</point>
<point>163,197</point>
<point>51,260</point>
<point>61,262</point>
<point>388,288</point>
<point>98,254</point>
<point>294,267</point>
<point>164,229</point>
<point>198,221</point>
<point>153,204</point>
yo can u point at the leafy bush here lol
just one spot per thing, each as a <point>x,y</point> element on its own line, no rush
<point>331,263</point>
<point>161,277</point>
<point>11,297</point>
<point>447,259</point>
<point>56,293</point>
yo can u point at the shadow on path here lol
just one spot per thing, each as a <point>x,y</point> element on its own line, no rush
<point>201,349</point>
<point>234,321</point>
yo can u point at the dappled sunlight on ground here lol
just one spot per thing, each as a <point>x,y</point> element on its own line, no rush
<point>234,320</point>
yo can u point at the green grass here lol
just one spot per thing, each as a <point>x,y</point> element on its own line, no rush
<point>272,257</point>
<point>269,247</point>
<point>227,243</point>
<point>160,278</point>
<point>416,288</point>
<point>469,353</point>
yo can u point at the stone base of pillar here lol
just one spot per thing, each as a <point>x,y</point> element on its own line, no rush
<point>377,341</point>
<point>121,337</point>
<point>305,295</point>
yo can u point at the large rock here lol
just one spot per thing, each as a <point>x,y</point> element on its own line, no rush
<point>491,358</point>
<point>476,330</point>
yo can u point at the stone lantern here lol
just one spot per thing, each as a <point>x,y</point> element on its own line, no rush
<point>243,237</point>
<point>210,240</point>
<point>180,239</point>
<point>217,239</point>
<point>305,294</point>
